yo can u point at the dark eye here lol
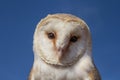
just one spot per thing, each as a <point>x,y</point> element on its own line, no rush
<point>51,35</point>
<point>73,39</point>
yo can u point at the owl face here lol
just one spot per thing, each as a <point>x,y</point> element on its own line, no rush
<point>60,41</point>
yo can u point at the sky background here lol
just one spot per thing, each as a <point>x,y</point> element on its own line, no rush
<point>18,20</point>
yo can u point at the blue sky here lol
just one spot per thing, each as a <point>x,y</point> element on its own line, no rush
<point>18,19</point>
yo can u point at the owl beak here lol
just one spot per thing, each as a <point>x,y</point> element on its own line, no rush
<point>60,52</point>
<point>59,55</point>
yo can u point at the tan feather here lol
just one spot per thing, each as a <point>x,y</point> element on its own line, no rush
<point>94,74</point>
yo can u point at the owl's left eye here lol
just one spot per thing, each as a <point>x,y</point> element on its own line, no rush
<point>51,35</point>
<point>74,39</point>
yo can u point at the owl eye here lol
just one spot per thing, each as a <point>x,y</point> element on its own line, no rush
<point>51,35</point>
<point>73,39</point>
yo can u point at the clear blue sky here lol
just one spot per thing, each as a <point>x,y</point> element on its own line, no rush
<point>18,19</point>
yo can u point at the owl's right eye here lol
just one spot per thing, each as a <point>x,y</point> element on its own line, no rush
<point>51,35</point>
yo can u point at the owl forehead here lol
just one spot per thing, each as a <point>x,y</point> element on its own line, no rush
<point>59,26</point>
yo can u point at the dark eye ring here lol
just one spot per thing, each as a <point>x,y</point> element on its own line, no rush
<point>74,39</point>
<point>51,35</point>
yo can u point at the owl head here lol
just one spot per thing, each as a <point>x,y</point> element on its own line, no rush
<point>61,39</point>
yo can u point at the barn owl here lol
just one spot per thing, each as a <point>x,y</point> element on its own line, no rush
<point>62,50</point>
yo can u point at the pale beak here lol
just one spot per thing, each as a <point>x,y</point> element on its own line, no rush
<point>60,53</point>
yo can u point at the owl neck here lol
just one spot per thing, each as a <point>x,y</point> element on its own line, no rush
<point>82,67</point>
